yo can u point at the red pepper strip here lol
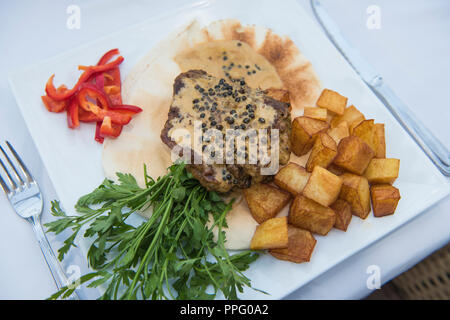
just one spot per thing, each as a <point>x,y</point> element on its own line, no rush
<point>97,95</point>
<point>86,116</point>
<point>107,56</point>
<point>73,120</point>
<point>112,79</point>
<point>126,109</point>
<point>114,84</point>
<point>55,106</point>
<point>100,81</point>
<point>116,117</point>
<point>52,105</point>
<point>109,129</point>
<point>89,71</point>
<point>111,90</point>
<point>98,136</point>
<point>103,67</point>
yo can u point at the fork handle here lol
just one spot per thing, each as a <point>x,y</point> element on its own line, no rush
<point>51,259</point>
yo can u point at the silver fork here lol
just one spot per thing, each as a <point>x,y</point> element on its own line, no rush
<point>25,197</point>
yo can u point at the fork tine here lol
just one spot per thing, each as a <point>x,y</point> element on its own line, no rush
<point>3,183</point>
<point>16,174</point>
<point>10,179</point>
<point>22,165</point>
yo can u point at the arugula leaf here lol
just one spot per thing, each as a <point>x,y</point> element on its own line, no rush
<point>172,255</point>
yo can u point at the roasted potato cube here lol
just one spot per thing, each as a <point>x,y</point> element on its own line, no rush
<point>265,201</point>
<point>384,199</point>
<point>332,101</point>
<point>356,191</point>
<point>381,147</point>
<point>271,234</point>
<point>334,169</point>
<point>343,212</point>
<point>300,247</point>
<point>366,130</point>
<point>316,113</point>
<point>304,132</point>
<point>353,155</point>
<point>323,187</point>
<point>323,152</point>
<point>310,215</point>
<point>351,115</point>
<point>339,132</point>
<point>292,178</point>
<point>382,171</point>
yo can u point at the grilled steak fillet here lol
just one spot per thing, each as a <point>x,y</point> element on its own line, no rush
<point>202,102</point>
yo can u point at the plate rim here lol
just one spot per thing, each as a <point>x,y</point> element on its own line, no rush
<point>439,196</point>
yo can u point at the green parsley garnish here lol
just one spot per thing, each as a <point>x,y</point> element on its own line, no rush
<point>173,255</point>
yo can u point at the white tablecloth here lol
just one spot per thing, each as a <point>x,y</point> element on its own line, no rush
<point>410,49</point>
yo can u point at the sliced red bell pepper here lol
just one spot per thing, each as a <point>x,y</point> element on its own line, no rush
<point>112,81</point>
<point>85,76</point>
<point>73,120</point>
<point>95,94</point>
<point>113,85</point>
<point>89,91</point>
<point>98,136</point>
<point>103,67</point>
<point>85,116</point>
<point>100,81</point>
<point>126,109</point>
<point>107,56</point>
<point>52,105</point>
<point>110,129</point>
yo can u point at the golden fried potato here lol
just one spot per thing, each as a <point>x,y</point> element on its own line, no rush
<point>307,214</point>
<point>300,247</point>
<point>385,199</point>
<point>304,132</point>
<point>316,113</point>
<point>382,171</point>
<point>323,187</point>
<point>292,178</point>
<point>381,147</point>
<point>366,130</point>
<point>353,155</point>
<point>351,115</point>
<point>343,212</point>
<point>339,132</point>
<point>334,169</point>
<point>323,152</point>
<point>355,190</point>
<point>265,201</point>
<point>271,234</point>
<point>332,101</point>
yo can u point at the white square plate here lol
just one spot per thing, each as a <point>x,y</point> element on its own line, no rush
<point>73,158</point>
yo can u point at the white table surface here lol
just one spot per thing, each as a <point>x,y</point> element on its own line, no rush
<point>410,50</point>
